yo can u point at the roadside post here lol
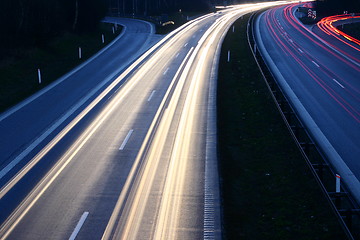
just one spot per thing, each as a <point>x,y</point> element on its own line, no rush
<point>338,191</point>
<point>39,75</point>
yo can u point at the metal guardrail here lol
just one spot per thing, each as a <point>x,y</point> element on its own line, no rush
<point>343,205</point>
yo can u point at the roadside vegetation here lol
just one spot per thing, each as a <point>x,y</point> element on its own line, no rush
<point>268,192</point>
<point>352,29</point>
<point>267,189</point>
<point>19,66</point>
<point>333,7</point>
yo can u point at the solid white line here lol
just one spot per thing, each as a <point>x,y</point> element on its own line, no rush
<point>126,139</point>
<point>301,51</point>
<point>79,225</point>
<point>342,86</point>
<point>315,64</point>
<point>151,95</point>
<point>166,71</point>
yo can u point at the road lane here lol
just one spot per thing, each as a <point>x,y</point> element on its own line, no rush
<point>28,126</point>
<point>322,85</point>
<point>155,186</point>
<point>112,139</point>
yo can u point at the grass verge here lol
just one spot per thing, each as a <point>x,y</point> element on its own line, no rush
<point>267,189</point>
<point>18,67</point>
<point>352,29</point>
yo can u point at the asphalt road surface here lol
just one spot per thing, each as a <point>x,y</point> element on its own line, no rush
<point>138,159</point>
<point>321,82</point>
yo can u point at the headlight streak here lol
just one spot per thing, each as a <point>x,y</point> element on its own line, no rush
<point>44,184</point>
<point>169,207</point>
<point>31,199</point>
<point>323,83</point>
<point>109,231</point>
<point>70,126</point>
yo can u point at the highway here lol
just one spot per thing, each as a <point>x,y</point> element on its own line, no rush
<point>138,161</point>
<point>27,127</point>
<point>320,76</point>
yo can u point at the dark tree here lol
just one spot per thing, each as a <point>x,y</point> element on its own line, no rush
<point>36,21</point>
<point>329,7</point>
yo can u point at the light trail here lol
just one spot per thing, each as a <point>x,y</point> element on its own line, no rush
<point>320,79</point>
<point>136,191</point>
<point>291,50</point>
<point>327,25</point>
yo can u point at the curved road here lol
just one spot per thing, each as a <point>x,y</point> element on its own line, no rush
<point>139,160</point>
<point>26,127</point>
<point>322,84</point>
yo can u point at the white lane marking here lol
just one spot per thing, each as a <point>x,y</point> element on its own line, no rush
<point>126,140</point>
<point>290,40</point>
<point>63,118</point>
<point>151,95</point>
<point>166,71</point>
<point>177,55</point>
<point>79,225</point>
<point>342,86</point>
<point>315,64</point>
<point>301,51</point>
<point>186,44</point>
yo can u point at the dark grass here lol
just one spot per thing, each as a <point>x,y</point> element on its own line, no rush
<point>18,67</point>
<point>268,190</point>
<point>352,29</point>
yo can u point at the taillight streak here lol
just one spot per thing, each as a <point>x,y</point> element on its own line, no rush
<point>271,22</point>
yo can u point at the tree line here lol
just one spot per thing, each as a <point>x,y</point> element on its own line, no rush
<point>330,7</point>
<point>28,22</point>
<point>35,21</point>
<point>155,7</point>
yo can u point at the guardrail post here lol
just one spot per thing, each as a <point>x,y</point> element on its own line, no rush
<point>337,191</point>
<point>39,75</point>
<point>80,53</point>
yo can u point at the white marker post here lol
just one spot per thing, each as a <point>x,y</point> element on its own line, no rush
<point>113,30</point>
<point>338,179</point>
<point>39,75</point>
<point>80,53</point>
<point>228,56</point>
<point>337,192</point>
<point>233,29</point>
<point>102,38</point>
